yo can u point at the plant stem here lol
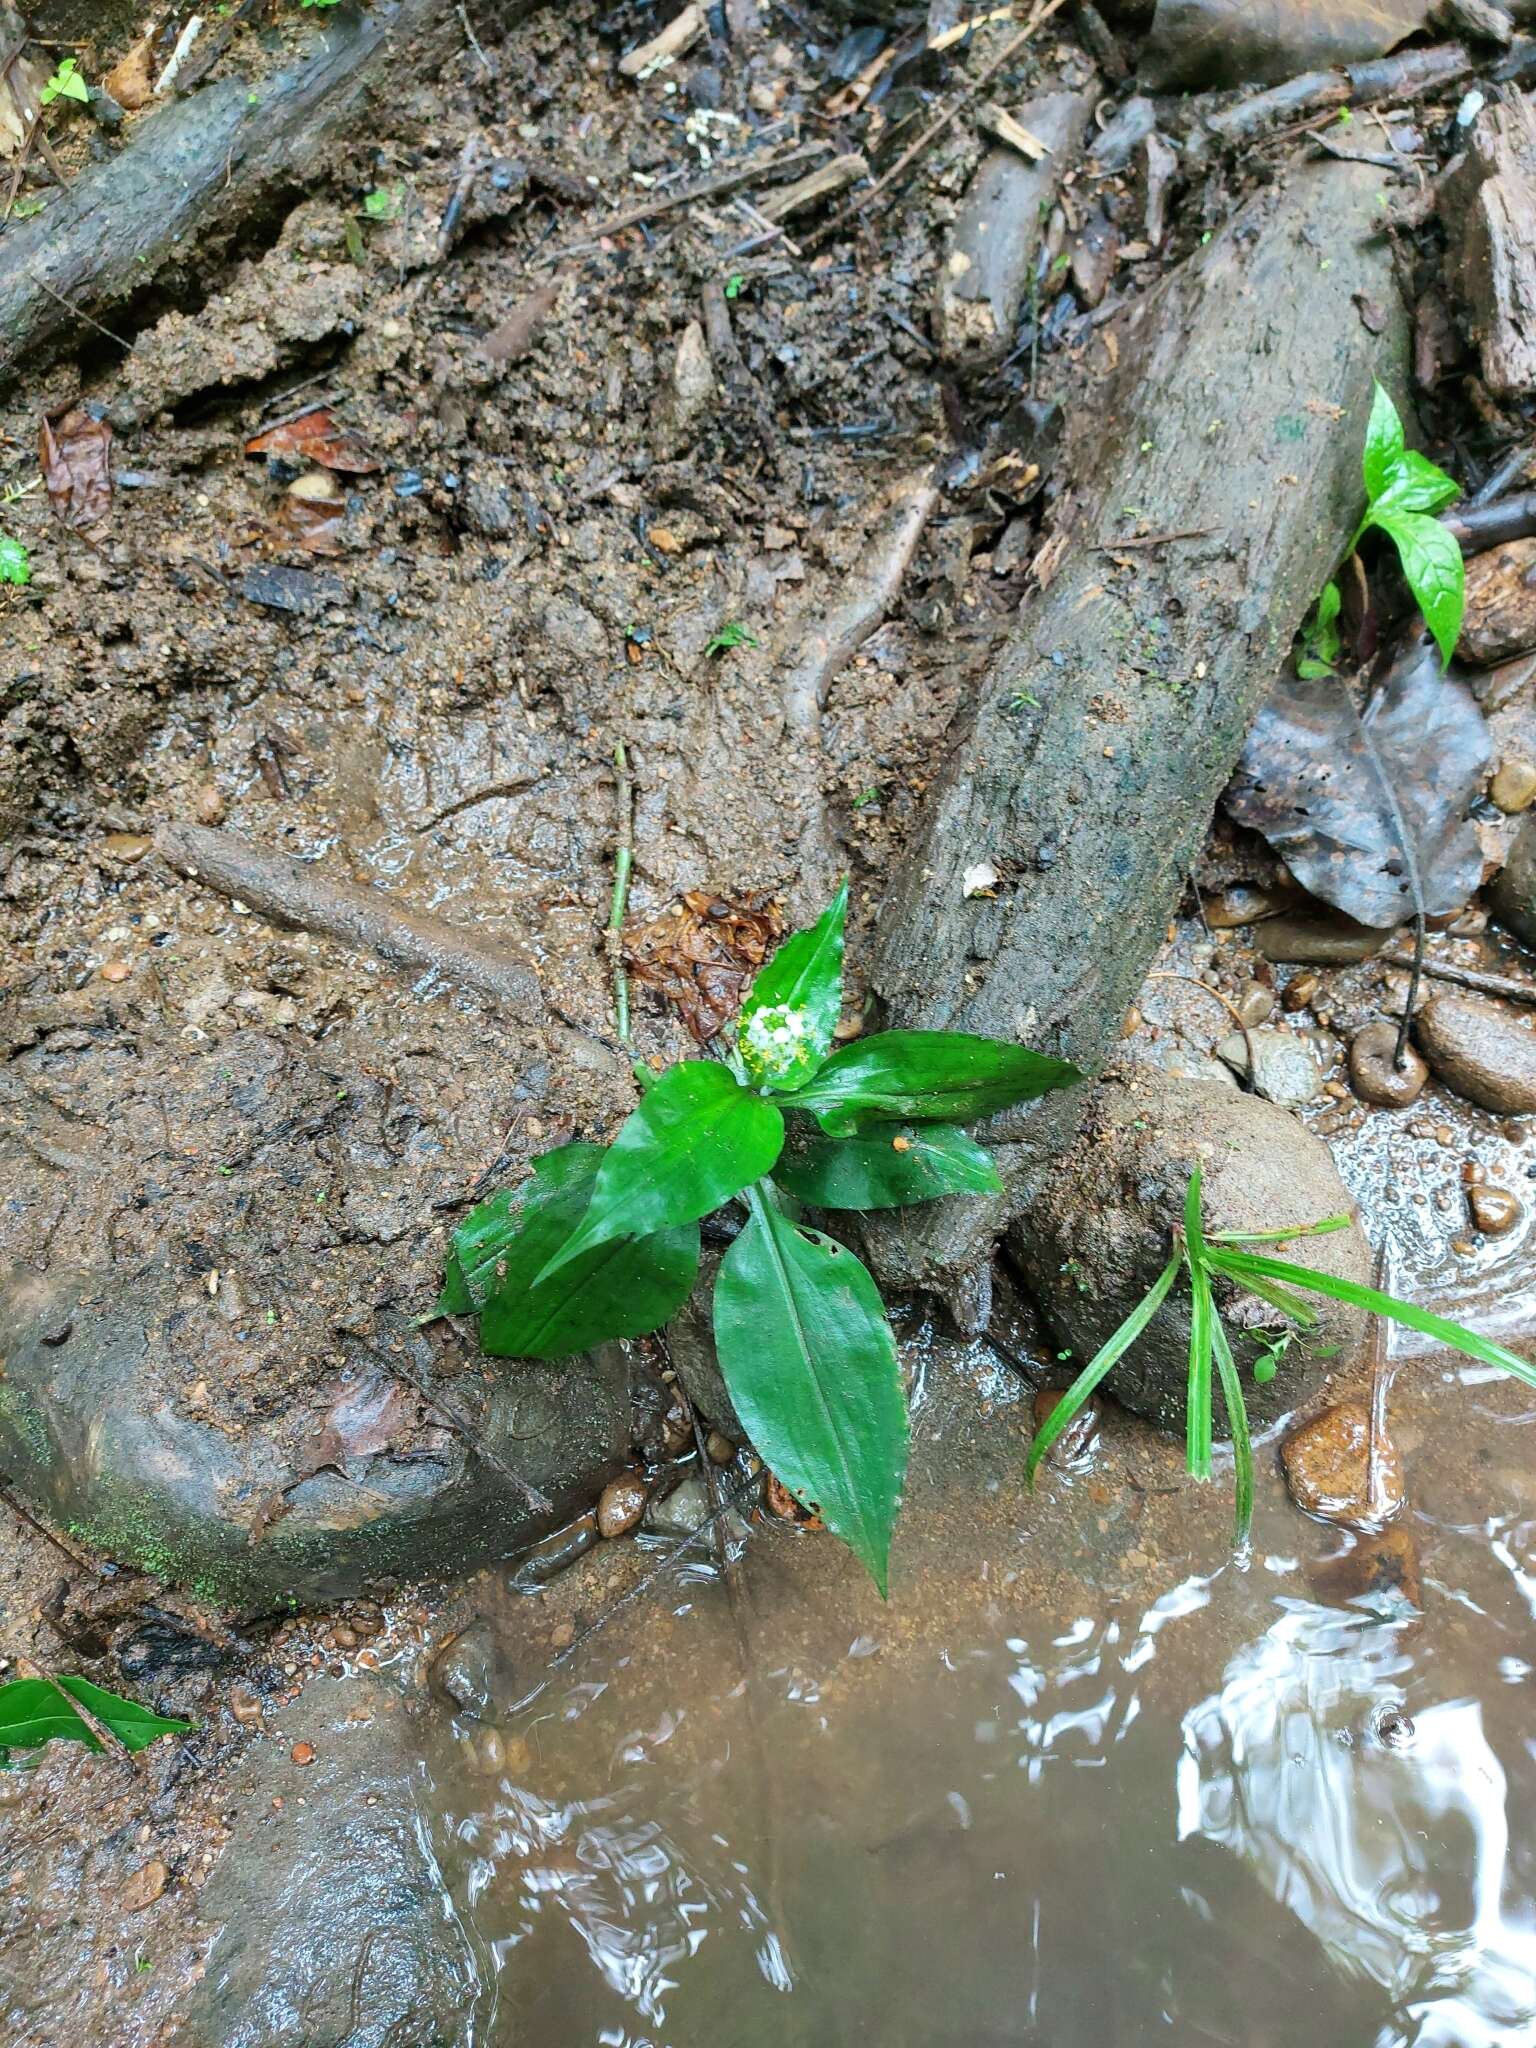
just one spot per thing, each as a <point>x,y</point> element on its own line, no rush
<point>623,863</point>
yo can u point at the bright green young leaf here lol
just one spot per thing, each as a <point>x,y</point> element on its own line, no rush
<point>624,1288</point>
<point>788,1017</point>
<point>697,1138</point>
<point>1250,1266</point>
<point>932,1076</point>
<point>1415,485</point>
<point>65,84</point>
<point>15,563</point>
<point>810,1363</point>
<point>1383,442</point>
<point>36,1710</point>
<point>1320,637</point>
<point>1108,1355</point>
<point>885,1168</point>
<point>1432,564</point>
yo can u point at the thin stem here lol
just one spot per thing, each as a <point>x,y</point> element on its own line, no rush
<point>623,863</point>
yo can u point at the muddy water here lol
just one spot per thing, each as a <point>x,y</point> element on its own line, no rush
<point>1080,1782</point>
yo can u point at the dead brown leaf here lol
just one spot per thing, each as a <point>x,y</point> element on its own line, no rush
<point>310,523</point>
<point>316,436</point>
<point>1261,42</point>
<point>700,954</point>
<point>76,460</point>
<point>364,1417</point>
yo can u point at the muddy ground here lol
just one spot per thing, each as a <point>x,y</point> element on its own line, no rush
<point>231,1151</point>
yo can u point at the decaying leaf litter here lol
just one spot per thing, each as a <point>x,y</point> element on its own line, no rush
<point>622,400</point>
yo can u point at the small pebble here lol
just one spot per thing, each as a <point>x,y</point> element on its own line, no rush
<point>1299,991</point>
<point>126,846</point>
<point>303,1752</point>
<point>562,1635</point>
<point>720,1448</point>
<point>244,1705</point>
<point>1374,1073</point>
<point>1255,1003</point>
<point>145,1886</point>
<point>620,1505</point>
<point>208,805</point>
<point>1326,1465</point>
<point>1495,1211</point>
<point>1513,787</point>
<point>1243,903</point>
<point>115,970</point>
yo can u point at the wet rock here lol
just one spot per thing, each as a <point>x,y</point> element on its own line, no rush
<point>688,396</point>
<point>462,1674</point>
<point>486,505</point>
<point>1320,941</point>
<point>316,1896</point>
<point>1500,615</point>
<point>1513,895</point>
<point>620,1506</point>
<point>145,1886</point>
<point>1244,903</point>
<point>1100,1232</point>
<point>1256,1004</point>
<point>1373,1070</point>
<point>556,1553</point>
<point>305,591</point>
<point>1075,1444</point>
<point>719,1448</point>
<point>163,1649</point>
<point>1494,1210</point>
<point>1480,1050</point>
<point>1327,1468</point>
<point>1284,1069</point>
<point>1513,787</point>
<point>1173,1056</point>
<point>1299,992</point>
<point>126,846</point>
<point>245,1706</point>
<point>691,1342</point>
<point>1380,1571</point>
<point>686,1508</point>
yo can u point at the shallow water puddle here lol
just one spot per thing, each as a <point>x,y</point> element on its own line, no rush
<point>1054,1793</point>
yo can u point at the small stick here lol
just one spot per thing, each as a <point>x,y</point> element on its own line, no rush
<point>1489,525</point>
<point>462,1426</point>
<point>1150,540</point>
<point>708,188</point>
<point>1467,977</point>
<point>23,1514</point>
<point>623,863</point>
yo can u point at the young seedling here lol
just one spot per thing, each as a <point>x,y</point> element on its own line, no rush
<point>731,634</point>
<point>15,562</point>
<point>603,1243</point>
<point>1229,1254</point>
<point>1403,492</point>
<point>385,201</point>
<point>65,84</point>
<point>38,1710</point>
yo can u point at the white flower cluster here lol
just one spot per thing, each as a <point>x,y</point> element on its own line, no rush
<point>773,1040</point>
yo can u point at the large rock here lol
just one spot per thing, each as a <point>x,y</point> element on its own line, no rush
<point>1101,1231</point>
<point>1483,1051</point>
<point>1513,895</point>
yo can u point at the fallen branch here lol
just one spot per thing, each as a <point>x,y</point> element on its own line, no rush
<point>298,893</point>
<point>1479,527</point>
<point>1477,978</point>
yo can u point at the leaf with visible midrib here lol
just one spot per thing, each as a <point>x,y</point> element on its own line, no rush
<point>697,1138</point>
<point>937,1076</point>
<point>810,1363</point>
<point>35,1710</point>
<point>622,1289</point>
<point>886,1167</point>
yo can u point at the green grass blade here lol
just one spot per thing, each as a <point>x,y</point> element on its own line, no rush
<point>1237,1423</point>
<point>1108,1355</point>
<point>1194,1229</point>
<point>1329,1223</point>
<point>1250,1266</point>
<point>1289,1303</point>
<point>1197,1416</point>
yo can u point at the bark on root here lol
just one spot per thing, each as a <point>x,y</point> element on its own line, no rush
<point>1110,724</point>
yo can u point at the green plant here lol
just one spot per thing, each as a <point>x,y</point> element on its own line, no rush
<point>731,634</point>
<point>65,84</point>
<point>733,285</point>
<point>15,562</point>
<point>384,202</point>
<point>38,1710</point>
<point>1403,492</point>
<point>1226,1254</point>
<point>604,1242</point>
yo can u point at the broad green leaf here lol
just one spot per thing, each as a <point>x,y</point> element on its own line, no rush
<point>934,1076</point>
<point>810,1363</point>
<point>885,1168</point>
<point>35,1710</point>
<point>15,564</point>
<point>1251,1266</point>
<point>785,1030</point>
<point>697,1138</point>
<point>625,1288</point>
<point>1383,443</point>
<point>1108,1355</point>
<point>1432,565</point>
<point>1237,1426</point>
<point>1415,485</point>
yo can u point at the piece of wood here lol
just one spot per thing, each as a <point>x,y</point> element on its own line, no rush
<point>191,169</point>
<point>1488,206</point>
<point>825,182</point>
<point>1109,725</point>
<point>996,237</point>
<point>998,125</point>
<point>680,33</point>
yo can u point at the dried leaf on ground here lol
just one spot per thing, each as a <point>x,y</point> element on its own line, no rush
<point>700,954</point>
<point>75,454</point>
<point>1263,42</point>
<point>362,1419</point>
<point>316,436</point>
<point>310,522</point>
<point>1308,783</point>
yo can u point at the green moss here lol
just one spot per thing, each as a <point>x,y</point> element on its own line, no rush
<point>26,1420</point>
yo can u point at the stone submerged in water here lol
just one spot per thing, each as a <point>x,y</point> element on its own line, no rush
<point>1374,1071</point>
<point>1480,1050</point>
<point>1328,1468</point>
<point>1322,940</point>
<point>1100,1232</point>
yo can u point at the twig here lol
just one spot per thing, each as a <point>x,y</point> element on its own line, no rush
<point>474,40</point>
<point>107,1737</point>
<point>1411,867</point>
<point>708,188</point>
<point>80,314</point>
<point>931,134</point>
<point>24,1514</point>
<point>461,1425</point>
<point>1503,985</point>
<point>1479,526</point>
<point>623,863</point>
<point>1163,974</point>
<point>1150,540</point>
